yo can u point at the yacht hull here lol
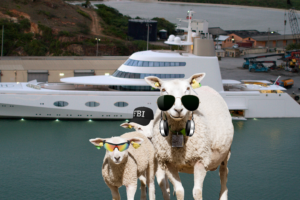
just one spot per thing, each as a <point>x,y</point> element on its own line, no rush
<point>35,105</point>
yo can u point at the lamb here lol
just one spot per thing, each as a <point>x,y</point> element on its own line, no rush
<point>124,168</point>
<point>208,148</point>
<point>160,173</point>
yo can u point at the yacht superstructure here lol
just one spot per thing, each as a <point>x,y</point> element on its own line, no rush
<point>116,96</point>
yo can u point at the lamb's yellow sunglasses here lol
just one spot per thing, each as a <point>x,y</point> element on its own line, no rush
<point>121,147</point>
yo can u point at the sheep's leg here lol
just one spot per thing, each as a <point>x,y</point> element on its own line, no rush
<point>167,185</point>
<point>199,175</point>
<point>143,187</point>
<point>114,192</point>
<point>130,190</point>
<point>150,181</point>
<point>223,172</point>
<point>173,176</point>
<point>163,183</point>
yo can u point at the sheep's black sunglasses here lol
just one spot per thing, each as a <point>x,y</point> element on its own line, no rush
<point>111,147</point>
<point>190,102</point>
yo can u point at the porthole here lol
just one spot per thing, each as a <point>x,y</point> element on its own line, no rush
<point>61,103</point>
<point>92,104</point>
<point>121,104</point>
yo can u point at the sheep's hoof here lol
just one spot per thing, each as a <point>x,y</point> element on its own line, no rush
<point>180,194</point>
<point>197,193</point>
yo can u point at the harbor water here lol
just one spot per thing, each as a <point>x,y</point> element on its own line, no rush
<point>49,159</point>
<point>224,16</point>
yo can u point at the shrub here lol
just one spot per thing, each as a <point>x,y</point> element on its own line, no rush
<point>35,48</point>
<point>84,14</point>
<point>64,33</point>
<point>84,29</point>
<point>293,46</point>
<point>165,24</point>
<point>25,24</point>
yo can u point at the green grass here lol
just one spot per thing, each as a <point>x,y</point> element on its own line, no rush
<point>115,23</point>
<point>261,3</point>
<point>84,14</point>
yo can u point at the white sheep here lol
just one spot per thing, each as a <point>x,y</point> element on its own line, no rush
<point>160,173</point>
<point>124,168</point>
<point>208,148</point>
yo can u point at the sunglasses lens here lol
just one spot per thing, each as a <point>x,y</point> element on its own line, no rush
<point>109,147</point>
<point>190,102</point>
<point>165,102</point>
<point>123,147</point>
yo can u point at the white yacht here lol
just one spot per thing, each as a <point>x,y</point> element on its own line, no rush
<point>116,96</point>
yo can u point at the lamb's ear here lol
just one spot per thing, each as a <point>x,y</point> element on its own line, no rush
<point>198,77</point>
<point>154,81</point>
<point>129,125</point>
<point>136,140</point>
<point>96,141</point>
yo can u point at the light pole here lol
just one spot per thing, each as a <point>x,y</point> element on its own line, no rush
<point>2,40</point>
<point>97,39</point>
<point>148,34</point>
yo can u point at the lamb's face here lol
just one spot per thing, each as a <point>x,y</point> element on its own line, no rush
<point>145,130</point>
<point>116,156</point>
<point>176,88</point>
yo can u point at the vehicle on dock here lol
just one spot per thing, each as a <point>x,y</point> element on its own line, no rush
<point>248,60</point>
<point>296,97</point>
<point>258,66</point>
<point>286,83</point>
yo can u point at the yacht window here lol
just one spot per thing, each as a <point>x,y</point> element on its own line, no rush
<point>121,104</point>
<point>145,64</point>
<point>127,61</point>
<point>135,63</point>
<point>131,75</point>
<point>130,63</point>
<point>140,64</point>
<point>92,104</point>
<point>60,103</point>
<point>127,75</point>
<point>137,75</point>
<point>122,75</point>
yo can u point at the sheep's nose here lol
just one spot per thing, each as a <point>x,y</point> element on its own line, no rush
<point>117,158</point>
<point>178,110</point>
<point>150,138</point>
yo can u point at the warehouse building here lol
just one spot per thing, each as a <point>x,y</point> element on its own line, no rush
<point>52,69</point>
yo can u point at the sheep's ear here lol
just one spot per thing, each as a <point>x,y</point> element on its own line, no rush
<point>129,125</point>
<point>125,125</point>
<point>136,140</point>
<point>154,81</point>
<point>198,77</point>
<point>96,141</point>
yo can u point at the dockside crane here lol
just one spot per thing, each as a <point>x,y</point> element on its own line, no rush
<point>293,18</point>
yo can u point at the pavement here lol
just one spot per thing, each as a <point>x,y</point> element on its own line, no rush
<point>231,68</point>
